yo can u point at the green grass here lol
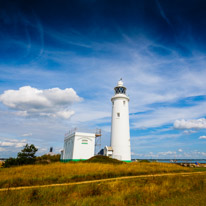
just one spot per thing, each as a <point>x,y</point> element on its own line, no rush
<point>200,169</point>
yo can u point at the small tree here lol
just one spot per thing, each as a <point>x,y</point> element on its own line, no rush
<point>27,155</point>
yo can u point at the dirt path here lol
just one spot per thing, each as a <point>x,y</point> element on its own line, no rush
<point>101,180</point>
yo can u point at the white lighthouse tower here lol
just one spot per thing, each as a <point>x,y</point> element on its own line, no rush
<point>120,133</point>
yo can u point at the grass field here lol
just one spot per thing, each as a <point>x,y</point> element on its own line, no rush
<point>160,191</point>
<point>72,172</point>
<point>169,190</point>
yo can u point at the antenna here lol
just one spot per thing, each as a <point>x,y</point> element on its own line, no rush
<point>73,130</point>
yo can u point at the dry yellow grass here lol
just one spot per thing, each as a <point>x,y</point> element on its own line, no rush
<point>72,172</point>
<point>160,191</point>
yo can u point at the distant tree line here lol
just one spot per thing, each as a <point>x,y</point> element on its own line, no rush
<point>27,156</point>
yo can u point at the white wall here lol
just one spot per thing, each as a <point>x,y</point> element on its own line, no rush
<point>107,152</point>
<point>79,146</point>
<point>68,147</point>
<point>120,132</point>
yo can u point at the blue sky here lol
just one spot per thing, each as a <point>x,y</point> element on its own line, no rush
<point>60,60</point>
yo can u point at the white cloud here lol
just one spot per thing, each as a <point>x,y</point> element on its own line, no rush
<point>180,150</point>
<point>65,114</point>
<point>202,137</point>
<point>20,144</point>
<point>166,153</point>
<point>26,135</point>
<point>189,131</point>
<point>13,143</point>
<point>198,153</point>
<point>30,101</point>
<point>155,136</point>
<point>7,144</point>
<point>159,116</point>
<point>190,124</point>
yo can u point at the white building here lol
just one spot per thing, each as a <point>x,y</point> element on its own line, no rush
<point>108,151</point>
<point>78,146</point>
<point>120,131</point>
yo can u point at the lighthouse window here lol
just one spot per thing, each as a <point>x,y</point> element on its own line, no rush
<point>120,90</point>
<point>118,114</point>
<point>124,102</point>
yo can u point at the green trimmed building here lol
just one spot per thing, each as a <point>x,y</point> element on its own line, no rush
<point>78,146</point>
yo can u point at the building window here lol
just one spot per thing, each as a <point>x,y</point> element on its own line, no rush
<point>118,114</point>
<point>84,141</point>
<point>124,103</point>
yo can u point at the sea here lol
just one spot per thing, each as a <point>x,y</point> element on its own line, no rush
<point>202,161</point>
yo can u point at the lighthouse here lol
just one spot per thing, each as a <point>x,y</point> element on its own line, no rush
<point>120,132</point>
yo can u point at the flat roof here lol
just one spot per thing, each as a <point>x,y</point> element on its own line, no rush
<point>79,134</point>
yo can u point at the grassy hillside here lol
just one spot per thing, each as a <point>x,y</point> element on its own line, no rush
<point>156,191</point>
<point>103,159</point>
<point>72,172</point>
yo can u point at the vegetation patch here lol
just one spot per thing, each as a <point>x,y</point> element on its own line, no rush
<point>41,174</point>
<point>46,159</point>
<point>103,159</point>
<point>25,157</point>
<point>152,191</point>
<point>145,161</point>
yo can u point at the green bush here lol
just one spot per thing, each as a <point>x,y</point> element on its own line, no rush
<point>45,159</point>
<point>146,161</point>
<point>103,159</point>
<point>10,162</point>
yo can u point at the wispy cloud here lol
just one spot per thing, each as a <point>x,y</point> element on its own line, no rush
<point>202,137</point>
<point>190,124</point>
<point>162,12</point>
<point>26,135</point>
<point>13,143</point>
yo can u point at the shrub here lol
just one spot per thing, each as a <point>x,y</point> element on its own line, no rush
<point>45,159</point>
<point>10,162</point>
<point>103,159</point>
<point>145,161</point>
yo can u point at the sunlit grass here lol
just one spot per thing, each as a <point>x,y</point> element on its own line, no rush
<point>168,191</point>
<point>72,172</point>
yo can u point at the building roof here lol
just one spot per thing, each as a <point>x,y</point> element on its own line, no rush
<point>83,134</point>
<point>109,148</point>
